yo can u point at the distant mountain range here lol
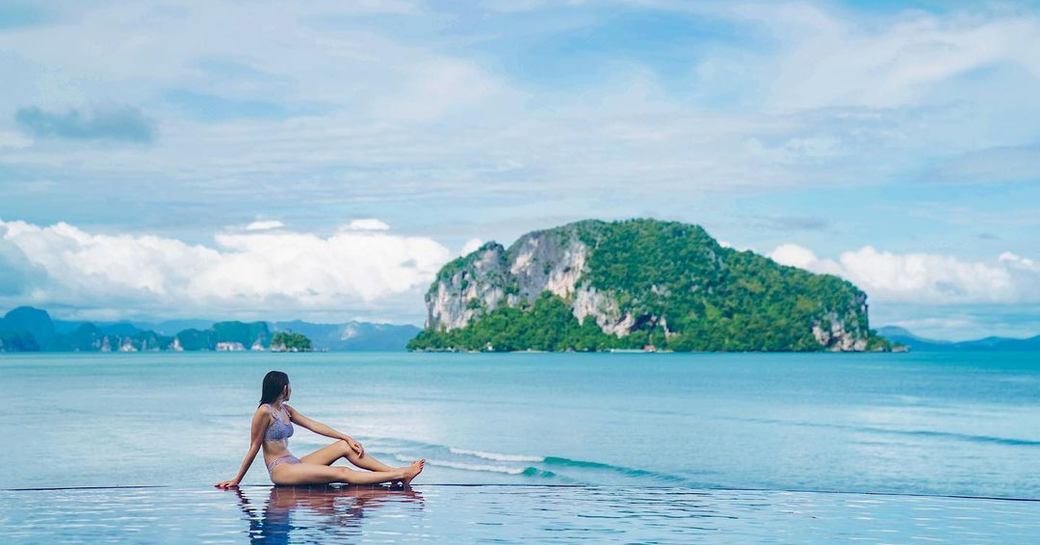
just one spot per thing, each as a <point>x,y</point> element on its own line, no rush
<point>352,335</point>
<point>28,329</point>
<point>1001,344</point>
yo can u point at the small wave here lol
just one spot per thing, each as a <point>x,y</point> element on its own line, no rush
<point>626,471</point>
<point>469,467</point>
<point>535,472</point>
<point>495,456</point>
<point>519,464</point>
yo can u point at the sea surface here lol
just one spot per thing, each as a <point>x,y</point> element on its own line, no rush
<point>628,447</point>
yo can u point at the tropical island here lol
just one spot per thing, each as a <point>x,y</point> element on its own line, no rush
<point>638,284</point>
<point>287,341</point>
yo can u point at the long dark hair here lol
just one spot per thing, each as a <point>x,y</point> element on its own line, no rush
<point>274,383</point>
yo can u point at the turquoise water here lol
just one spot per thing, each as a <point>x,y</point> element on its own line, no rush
<point>593,425</point>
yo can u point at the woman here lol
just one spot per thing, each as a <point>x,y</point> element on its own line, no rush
<point>271,429</point>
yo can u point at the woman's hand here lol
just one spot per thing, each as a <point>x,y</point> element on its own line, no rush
<point>230,483</point>
<point>360,450</point>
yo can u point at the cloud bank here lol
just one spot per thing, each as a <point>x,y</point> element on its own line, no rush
<point>364,269</point>
<point>248,273</point>
<point>925,278</point>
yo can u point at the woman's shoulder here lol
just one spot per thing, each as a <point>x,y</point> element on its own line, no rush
<point>265,408</point>
<point>268,408</point>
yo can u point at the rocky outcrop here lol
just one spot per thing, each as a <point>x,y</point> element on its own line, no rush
<point>468,287</point>
<point>840,334</point>
<point>491,276</point>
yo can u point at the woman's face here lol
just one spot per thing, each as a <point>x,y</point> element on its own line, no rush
<point>286,392</point>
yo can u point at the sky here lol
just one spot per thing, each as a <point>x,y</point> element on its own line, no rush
<point>321,160</point>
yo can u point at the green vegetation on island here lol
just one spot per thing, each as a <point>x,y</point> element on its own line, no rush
<point>287,341</point>
<point>547,324</point>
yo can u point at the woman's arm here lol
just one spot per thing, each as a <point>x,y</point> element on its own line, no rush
<point>261,420</point>
<point>321,429</point>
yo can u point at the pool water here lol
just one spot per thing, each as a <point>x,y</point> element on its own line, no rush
<point>505,514</point>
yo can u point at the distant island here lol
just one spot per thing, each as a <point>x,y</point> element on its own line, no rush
<point>638,284</point>
<point>29,329</point>
<point>287,341</point>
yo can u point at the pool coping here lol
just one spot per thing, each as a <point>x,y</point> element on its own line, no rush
<point>532,485</point>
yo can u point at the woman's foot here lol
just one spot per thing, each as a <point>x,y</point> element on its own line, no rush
<point>413,471</point>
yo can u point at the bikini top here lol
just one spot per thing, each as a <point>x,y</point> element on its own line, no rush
<point>280,428</point>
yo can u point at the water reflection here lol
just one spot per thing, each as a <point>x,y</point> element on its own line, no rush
<point>314,514</point>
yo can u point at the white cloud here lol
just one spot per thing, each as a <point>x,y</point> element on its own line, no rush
<point>830,59</point>
<point>738,247</point>
<point>1018,262</point>
<point>795,256</point>
<point>13,140</point>
<point>367,224</point>
<point>264,225</point>
<point>438,87</point>
<point>471,245</point>
<point>246,272</point>
<point>924,278</point>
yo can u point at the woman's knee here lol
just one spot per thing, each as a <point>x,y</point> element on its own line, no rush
<point>346,451</point>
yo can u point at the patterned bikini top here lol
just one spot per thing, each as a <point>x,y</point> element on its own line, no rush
<point>281,427</point>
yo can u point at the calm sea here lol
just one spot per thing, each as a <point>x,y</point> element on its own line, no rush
<point>919,423</point>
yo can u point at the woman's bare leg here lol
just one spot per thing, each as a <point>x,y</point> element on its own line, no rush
<point>368,462</point>
<point>340,449</point>
<point>306,473</point>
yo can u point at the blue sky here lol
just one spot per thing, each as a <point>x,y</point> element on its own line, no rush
<point>894,143</point>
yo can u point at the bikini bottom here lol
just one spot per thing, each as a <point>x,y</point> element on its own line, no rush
<point>287,459</point>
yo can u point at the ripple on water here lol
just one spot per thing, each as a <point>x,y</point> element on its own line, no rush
<point>504,514</point>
